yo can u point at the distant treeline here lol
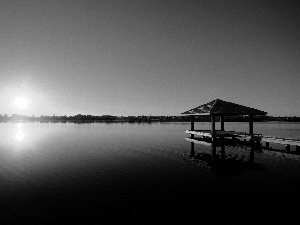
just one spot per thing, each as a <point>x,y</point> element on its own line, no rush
<point>109,118</point>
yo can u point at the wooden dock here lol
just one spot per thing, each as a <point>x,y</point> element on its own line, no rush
<point>258,138</point>
<point>223,133</point>
<point>284,141</point>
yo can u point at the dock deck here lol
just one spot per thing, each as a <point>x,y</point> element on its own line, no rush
<point>245,136</point>
<point>284,141</point>
<point>221,133</point>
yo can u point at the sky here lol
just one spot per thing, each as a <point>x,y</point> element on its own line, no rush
<point>130,58</point>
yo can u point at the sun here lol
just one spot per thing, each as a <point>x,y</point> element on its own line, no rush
<point>21,102</point>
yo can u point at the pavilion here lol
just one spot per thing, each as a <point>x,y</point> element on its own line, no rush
<point>222,108</point>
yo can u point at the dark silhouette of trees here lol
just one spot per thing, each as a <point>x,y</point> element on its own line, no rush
<point>79,118</point>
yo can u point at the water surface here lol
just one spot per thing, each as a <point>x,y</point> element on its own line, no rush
<point>116,172</point>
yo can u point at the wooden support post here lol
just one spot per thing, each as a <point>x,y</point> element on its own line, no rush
<point>267,145</point>
<point>250,124</point>
<point>297,149</point>
<point>213,125</point>
<point>222,123</point>
<point>192,125</point>
<point>287,148</point>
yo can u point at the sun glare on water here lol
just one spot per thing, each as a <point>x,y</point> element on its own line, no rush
<point>20,136</point>
<point>21,102</point>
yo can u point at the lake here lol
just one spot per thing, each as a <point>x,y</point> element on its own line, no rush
<point>113,173</point>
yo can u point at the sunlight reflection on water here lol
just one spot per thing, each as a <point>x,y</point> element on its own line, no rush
<point>20,134</point>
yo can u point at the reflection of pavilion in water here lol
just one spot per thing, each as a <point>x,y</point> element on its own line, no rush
<point>218,160</point>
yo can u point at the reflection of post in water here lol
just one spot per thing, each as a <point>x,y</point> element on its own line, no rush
<point>221,142</point>
<point>222,150</point>
<point>213,151</point>
<point>252,144</point>
<point>192,149</point>
<point>213,154</point>
<point>220,163</point>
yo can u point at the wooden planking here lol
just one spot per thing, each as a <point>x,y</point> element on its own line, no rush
<point>219,133</point>
<point>280,138</point>
<point>252,137</point>
<point>200,133</point>
<point>281,141</point>
<point>199,142</point>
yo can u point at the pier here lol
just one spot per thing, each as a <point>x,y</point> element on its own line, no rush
<point>220,108</point>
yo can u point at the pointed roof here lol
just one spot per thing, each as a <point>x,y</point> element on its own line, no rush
<point>220,107</point>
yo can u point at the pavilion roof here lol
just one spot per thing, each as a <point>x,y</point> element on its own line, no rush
<point>220,107</point>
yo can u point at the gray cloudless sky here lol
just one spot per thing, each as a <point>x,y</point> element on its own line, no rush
<point>148,57</point>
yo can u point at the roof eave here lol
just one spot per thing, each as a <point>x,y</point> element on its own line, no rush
<point>196,114</point>
<point>224,114</point>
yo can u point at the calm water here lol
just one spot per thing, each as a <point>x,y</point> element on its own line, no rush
<point>120,172</point>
